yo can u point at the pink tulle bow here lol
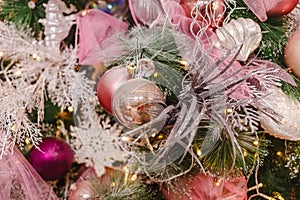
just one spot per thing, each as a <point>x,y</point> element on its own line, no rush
<point>18,180</point>
<point>175,14</point>
<point>96,43</point>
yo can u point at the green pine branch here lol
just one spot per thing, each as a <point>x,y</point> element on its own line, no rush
<point>19,13</point>
<point>218,157</point>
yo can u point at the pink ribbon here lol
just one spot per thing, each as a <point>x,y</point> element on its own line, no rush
<point>96,43</point>
<point>16,171</point>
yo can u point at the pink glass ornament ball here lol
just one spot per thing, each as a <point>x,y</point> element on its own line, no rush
<point>282,8</point>
<point>53,160</point>
<point>291,53</point>
<point>108,83</point>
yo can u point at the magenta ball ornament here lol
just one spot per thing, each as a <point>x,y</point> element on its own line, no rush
<point>53,160</point>
<point>108,83</point>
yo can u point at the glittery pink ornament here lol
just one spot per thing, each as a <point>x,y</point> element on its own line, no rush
<point>108,83</point>
<point>53,160</point>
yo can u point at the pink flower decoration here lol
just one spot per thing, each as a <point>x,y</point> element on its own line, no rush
<point>204,187</point>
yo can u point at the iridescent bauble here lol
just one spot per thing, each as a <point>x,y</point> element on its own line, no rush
<point>85,187</point>
<point>211,12</point>
<point>53,160</point>
<point>145,67</point>
<point>137,101</point>
<point>291,53</point>
<point>283,7</point>
<point>108,83</point>
<point>110,6</point>
<point>89,186</point>
<point>145,11</point>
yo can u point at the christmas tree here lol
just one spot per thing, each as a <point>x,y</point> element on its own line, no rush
<point>149,99</point>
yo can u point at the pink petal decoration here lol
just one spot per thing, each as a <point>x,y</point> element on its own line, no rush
<point>258,8</point>
<point>18,180</point>
<point>204,187</point>
<point>239,92</point>
<point>281,73</point>
<point>96,43</point>
<point>261,7</point>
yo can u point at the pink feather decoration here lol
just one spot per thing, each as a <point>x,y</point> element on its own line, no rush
<point>18,180</point>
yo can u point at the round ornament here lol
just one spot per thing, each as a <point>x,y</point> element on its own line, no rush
<point>145,67</point>
<point>211,12</point>
<point>91,186</point>
<point>53,160</point>
<point>137,101</point>
<point>283,7</point>
<point>145,11</point>
<point>108,83</point>
<point>85,187</point>
<point>291,53</point>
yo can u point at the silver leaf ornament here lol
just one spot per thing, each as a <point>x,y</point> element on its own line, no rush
<point>239,32</point>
